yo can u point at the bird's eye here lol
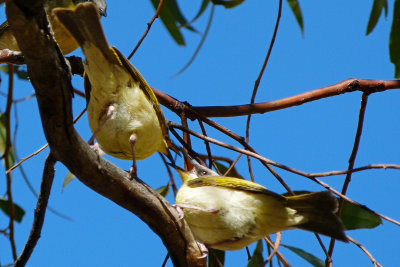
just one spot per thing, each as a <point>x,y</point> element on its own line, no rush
<point>203,172</point>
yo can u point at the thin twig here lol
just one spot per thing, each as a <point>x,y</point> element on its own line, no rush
<point>171,177</point>
<point>203,130</point>
<point>264,160</point>
<point>40,149</point>
<point>165,260</point>
<point>278,254</point>
<point>148,28</point>
<point>258,80</point>
<point>40,211</point>
<point>7,151</point>
<point>326,186</point>
<point>363,168</point>
<point>275,247</point>
<point>233,164</point>
<point>361,116</point>
<point>369,255</point>
<point>26,158</point>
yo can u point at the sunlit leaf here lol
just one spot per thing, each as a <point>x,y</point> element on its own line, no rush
<point>376,12</point>
<point>295,7</point>
<point>216,257</point>
<point>163,190</point>
<point>67,180</point>
<point>169,22</point>
<point>257,259</point>
<point>222,169</point>
<point>18,211</point>
<point>394,42</point>
<point>314,261</point>
<point>228,3</point>
<point>356,217</point>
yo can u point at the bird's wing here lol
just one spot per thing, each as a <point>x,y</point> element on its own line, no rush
<point>144,86</point>
<point>233,183</point>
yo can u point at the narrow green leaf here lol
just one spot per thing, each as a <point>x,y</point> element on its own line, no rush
<point>20,71</point>
<point>222,169</point>
<point>216,257</point>
<point>176,12</point>
<point>163,190</point>
<point>376,12</point>
<point>67,180</point>
<point>314,261</point>
<point>11,156</point>
<point>169,22</point>
<point>356,217</point>
<point>352,216</point>
<point>227,3</point>
<point>394,42</point>
<point>257,259</point>
<point>203,7</point>
<point>295,7</point>
<point>5,207</point>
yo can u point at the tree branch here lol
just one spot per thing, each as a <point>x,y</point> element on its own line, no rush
<point>51,79</point>
<point>346,86</point>
<point>40,211</point>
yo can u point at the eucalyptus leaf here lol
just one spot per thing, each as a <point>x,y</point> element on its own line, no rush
<point>376,12</point>
<point>394,41</point>
<point>5,207</point>
<point>352,216</point>
<point>314,261</point>
<point>203,7</point>
<point>169,22</point>
<point>67,180</point>
<point>176,12</point>
<point>295,7</point>
<point>356,217</point>
<point>216,257</point>
<point>20,71</point>
<point>163,190</point>
<point>222,169</point>
<point>11,156</point>
<point>228,3</point>
<point>257,259</point>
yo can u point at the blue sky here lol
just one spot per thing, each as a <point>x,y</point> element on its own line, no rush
<point>314,137</point>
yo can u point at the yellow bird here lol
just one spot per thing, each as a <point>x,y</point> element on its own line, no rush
<point>228,213</point>
<point>124,114</point>
<point>64,39</point>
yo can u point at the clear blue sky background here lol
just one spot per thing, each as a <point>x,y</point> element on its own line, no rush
<point>314,137</point>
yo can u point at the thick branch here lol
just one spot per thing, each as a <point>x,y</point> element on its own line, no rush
<point>50,77</point>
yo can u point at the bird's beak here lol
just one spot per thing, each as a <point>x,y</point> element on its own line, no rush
<point>185,175</point>
<point>177,168</point>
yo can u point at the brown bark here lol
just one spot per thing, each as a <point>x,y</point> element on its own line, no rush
<point>50,77</point>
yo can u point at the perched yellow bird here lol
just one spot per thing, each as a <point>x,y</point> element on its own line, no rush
<point>124,114</point>
<point>64,39</point>
<point>228,213</point>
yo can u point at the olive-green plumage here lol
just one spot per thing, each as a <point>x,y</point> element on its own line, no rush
<point>64,39</point>
<point>244,212</point>
<point>114,83</point>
